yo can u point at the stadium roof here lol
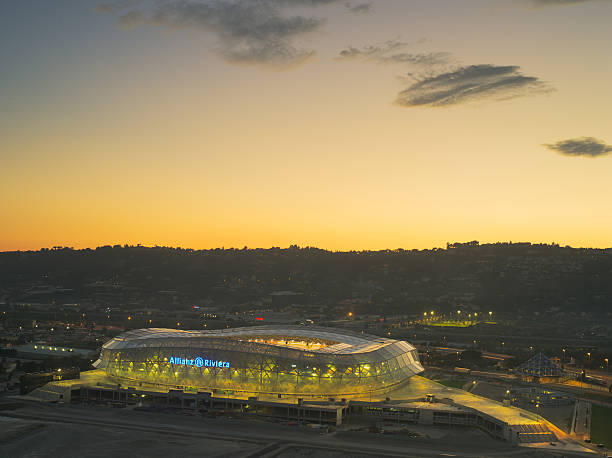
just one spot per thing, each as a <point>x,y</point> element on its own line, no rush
<point>336,342</point>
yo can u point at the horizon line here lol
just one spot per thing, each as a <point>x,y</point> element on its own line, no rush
<point>449,245</point>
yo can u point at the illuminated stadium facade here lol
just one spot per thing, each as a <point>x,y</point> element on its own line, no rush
<point>284,360</point>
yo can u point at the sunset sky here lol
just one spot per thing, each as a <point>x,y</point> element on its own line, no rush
<point>332,123</point>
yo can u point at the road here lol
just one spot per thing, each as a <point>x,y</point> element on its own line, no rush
<point>96,428</point>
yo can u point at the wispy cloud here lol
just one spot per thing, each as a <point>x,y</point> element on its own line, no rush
<point>442,81</point>
<point>393,52</point>
<point>583,146</point>
<point>559,2</point>
<point>256,32</point>
<point>360,8</point>
<point>467,84</point>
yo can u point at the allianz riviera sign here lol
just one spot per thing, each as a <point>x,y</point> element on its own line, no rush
<point>198,362</point>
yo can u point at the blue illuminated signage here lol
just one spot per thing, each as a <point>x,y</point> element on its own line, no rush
<point>198,362</point>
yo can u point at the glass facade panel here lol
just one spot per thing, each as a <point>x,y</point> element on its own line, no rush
<point>293,361</point>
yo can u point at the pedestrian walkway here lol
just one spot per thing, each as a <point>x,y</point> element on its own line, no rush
<point>581,421</point>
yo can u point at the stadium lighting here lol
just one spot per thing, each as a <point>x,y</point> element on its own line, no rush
<point>231,359</point>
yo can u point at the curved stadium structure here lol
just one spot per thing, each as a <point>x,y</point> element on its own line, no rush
<point>287,360</point>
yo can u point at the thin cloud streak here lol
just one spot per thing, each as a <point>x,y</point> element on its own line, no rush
<point>361,8</point>
<point>393,52</point>
<point>583,146</point>
<point>471,83</point>
<point>559,2</point>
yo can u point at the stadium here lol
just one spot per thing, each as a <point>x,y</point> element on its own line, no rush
<point>279,360</point>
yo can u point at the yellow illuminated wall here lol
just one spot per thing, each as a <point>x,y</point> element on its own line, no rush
<point>260,373</point>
